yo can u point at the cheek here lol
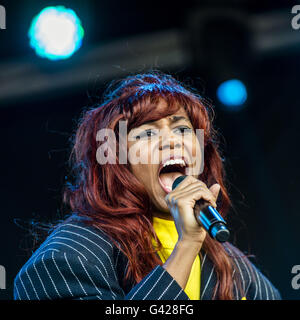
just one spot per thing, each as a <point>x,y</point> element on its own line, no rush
<point>142,173</point>
<point>140,152</point>
<point>195,150</point>
<point>136,170</point>
<point>139,159</point>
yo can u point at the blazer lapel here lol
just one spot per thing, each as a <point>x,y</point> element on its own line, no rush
<point>208,278</point>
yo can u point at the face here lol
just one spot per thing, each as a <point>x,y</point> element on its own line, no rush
<point>155,144</point>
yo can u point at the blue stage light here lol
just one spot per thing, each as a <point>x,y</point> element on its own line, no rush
<point>232,93</point>
<point>56,33</point>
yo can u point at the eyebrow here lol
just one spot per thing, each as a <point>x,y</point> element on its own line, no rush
<point>173,120</point>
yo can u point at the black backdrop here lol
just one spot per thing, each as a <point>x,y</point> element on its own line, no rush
<point>260,143</point>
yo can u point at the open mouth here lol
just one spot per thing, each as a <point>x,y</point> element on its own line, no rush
<point>169,171</point>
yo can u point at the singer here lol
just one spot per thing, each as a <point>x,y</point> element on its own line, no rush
<point>129,234</point>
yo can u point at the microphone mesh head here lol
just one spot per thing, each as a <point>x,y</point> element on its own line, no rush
<point>177,181</point>
<point>220,233</point>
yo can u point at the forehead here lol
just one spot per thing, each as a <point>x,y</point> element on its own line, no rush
<point>163,105</point>
<point>178,115</point>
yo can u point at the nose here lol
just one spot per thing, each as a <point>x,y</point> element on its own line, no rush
<point>168,141</point>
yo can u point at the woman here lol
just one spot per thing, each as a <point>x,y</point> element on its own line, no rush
<point>130,235</point>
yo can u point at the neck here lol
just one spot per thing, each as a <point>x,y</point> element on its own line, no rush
<point>163,215</point>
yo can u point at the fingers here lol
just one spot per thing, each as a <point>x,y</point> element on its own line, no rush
<point>194,194</point>
<point>215,189</point>
<point>181,202</point>
<point>195,190</point>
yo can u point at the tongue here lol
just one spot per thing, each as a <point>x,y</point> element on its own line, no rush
<point>168,178</point>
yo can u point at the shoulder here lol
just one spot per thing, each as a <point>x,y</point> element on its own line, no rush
<point>76,236</point>
<point>255,284</point>
<point>74,259</point>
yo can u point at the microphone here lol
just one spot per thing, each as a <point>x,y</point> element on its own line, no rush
<point>208,217</point>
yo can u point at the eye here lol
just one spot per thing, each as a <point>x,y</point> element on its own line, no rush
<point>184,129</point>
<point>146,133</point>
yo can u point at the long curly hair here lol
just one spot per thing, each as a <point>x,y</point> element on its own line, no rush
<point>112,197</point>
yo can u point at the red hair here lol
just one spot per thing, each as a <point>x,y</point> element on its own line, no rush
<point>111,195</point>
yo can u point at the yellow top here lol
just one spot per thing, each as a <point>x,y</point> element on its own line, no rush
<point>168,236</point>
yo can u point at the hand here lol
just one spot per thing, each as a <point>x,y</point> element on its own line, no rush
<point>181,202</point>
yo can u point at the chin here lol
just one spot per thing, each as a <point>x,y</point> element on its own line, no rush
<point>161,205</point>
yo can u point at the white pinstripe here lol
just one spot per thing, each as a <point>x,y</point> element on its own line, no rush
<point>233,273</point>
<point>154,285</point>
<point>19,275</point>
<point>89,276</point>
<point>24,286</point>
<point>116,263</point>
<point>51,250</point>
<point>79,235</point>
<point>238,265</point>
<point>272,293</point>
<point>269,285</point>
<point>249,274</point>
<point>40,279</point>
<point>257,287</point>
<point>16,288</point>
<point>67,245</point>
<point>74,274</point>
<point>44,244</point>
<point>50,276</point>
<point>166,289</point>
<point>179,294</point>
<point>31,284</point>
<point>79,227</point>
<point>35,254</point>
<point>50,237</point>
<point>264,282</point>
<point>203,261</point>
<point>236,289</point>
<point>88,230</point>
<point>62,275</point>
<point>146,279</point>
<point>63,238</point>
<point>126,267</point>
<point>113,294</point>
<point>82,228</point>
<point>208,281</point>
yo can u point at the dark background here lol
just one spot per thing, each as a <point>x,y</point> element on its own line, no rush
<point>40,102</point>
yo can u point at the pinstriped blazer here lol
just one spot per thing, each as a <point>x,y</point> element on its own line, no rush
<point>79,262</point>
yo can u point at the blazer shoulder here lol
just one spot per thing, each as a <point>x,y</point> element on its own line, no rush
<point>74,236</point>
<point>256,285</point>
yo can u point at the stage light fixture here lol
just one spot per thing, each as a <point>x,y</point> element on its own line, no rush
<point>232,94</point>
<point>56,33</point>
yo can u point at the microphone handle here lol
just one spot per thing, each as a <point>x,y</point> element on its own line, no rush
<point>210,219</point>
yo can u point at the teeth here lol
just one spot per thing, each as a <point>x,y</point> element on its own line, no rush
<point>176,161</point>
